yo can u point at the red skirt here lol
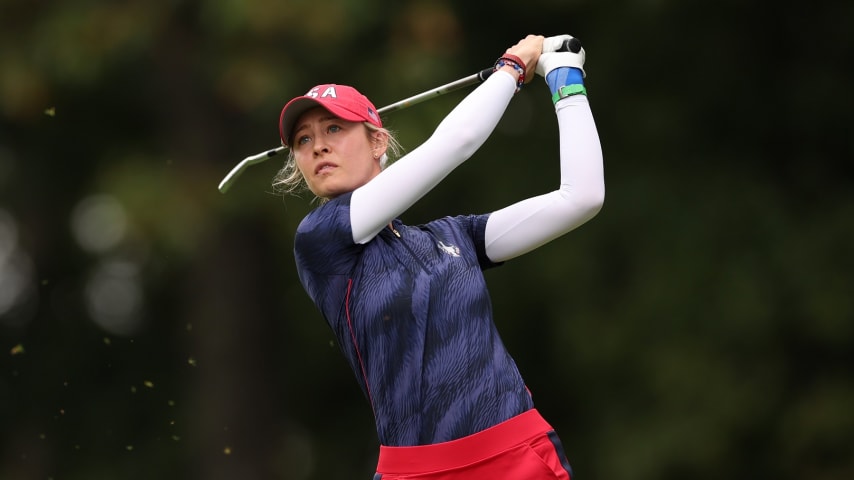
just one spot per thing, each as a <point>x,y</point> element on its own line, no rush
<point>523,447</point>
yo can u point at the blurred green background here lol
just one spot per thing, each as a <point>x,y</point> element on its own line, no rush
<point>701,326</point>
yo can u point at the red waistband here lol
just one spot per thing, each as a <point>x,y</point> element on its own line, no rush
<point>463,451</point>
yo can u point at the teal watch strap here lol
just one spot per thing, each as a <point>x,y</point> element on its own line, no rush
<point>568,91</point>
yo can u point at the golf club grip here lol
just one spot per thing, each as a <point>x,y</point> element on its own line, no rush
<point>485,73</point>
<point>561,43</point>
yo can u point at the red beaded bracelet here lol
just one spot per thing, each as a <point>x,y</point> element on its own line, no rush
<point>520,69</point>
<point>516,60</point>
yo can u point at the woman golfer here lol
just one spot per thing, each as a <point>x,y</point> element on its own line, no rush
<point>409,304</point>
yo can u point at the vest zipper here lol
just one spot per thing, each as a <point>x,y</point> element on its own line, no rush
<point>407,247</point>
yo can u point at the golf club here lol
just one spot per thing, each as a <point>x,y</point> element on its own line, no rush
<point>551,44</point>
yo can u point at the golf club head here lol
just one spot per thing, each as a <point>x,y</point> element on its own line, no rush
<point>235,172</point>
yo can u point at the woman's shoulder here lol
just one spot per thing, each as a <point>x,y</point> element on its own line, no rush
<point>472,222</point>
<point>330,214</point>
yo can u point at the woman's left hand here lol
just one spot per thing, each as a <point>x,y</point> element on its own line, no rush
<point>528,50</point>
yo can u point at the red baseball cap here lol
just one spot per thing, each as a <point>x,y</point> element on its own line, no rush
<point>341,100</point>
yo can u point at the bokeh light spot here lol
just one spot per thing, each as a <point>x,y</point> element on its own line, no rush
<point>114,297</point>
<point>99,223</point>
<point>16,272</point>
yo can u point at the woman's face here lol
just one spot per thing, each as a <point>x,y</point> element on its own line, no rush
<point>335,156</point>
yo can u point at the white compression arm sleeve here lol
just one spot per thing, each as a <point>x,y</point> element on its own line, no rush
<point>526,225</point>
<point>457,137</point>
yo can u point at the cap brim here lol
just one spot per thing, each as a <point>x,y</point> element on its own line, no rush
<point>296,107</point>
<point>291,113</point>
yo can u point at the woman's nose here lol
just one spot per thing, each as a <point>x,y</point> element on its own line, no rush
<point>320,147</point>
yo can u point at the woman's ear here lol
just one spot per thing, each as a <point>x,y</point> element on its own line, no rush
<point>379,143</point>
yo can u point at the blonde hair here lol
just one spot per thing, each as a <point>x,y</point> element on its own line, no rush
<point>289,180</point>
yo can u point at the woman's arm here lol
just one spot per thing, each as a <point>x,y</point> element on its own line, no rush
<point>460,134</point>
<point>456,139</point>
<point>526,225</point>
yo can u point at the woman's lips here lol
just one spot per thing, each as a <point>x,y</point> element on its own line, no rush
<point>324,167</point>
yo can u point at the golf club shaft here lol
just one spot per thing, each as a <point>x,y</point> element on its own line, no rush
<point>551,44</point>
<point>405,103</point>
<point>438,91</point>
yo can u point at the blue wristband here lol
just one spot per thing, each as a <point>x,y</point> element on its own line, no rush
<point>562,76</point>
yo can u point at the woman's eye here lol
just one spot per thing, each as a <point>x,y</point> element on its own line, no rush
<point>334,128</point>
<point>302,140</point>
